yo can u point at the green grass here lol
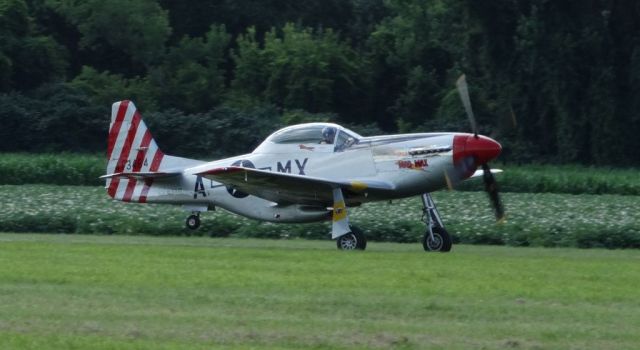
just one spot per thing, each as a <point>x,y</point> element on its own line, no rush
<point>115,292</point>
<point>553,220</point>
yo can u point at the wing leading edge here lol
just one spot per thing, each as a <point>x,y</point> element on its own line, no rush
<point>290,188</point>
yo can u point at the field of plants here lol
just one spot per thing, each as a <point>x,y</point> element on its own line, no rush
<point>126,292</point>
<point>564,206</point>
<point>550,220</point>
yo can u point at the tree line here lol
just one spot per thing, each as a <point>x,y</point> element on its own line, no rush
<point>554,81</point>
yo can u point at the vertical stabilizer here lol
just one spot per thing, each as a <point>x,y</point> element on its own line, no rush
<point>131,148</point>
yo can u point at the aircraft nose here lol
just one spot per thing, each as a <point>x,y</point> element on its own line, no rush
<point>483,149</point>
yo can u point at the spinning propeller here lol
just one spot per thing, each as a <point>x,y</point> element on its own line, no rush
<point>478,150</point>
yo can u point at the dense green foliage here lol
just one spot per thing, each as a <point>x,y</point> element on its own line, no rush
<point>553,81</point>
<point>55,169</point>
<point>550,220</point>
<point>92,292</point>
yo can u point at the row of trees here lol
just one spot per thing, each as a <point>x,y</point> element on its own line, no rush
<point>553,81</point>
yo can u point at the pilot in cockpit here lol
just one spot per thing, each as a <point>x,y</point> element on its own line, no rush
<point>328,135</point>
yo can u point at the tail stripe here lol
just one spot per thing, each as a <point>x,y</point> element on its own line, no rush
<point>120,188</point>
<point>137,191</point>
<point>131,185</point>
<point>120,141</point>
<point>145,190</point>
<point>155,164</point>
<point>124,154</point>
<point>131,148</point>
<point>157,159</point>
<point>137,163</point>
<point>115,127</point>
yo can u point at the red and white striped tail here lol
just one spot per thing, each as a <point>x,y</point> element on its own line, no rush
<point>131,148</point>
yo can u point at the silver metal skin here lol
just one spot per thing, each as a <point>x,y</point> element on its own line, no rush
<point>302,173</point>
<point>374,158</point>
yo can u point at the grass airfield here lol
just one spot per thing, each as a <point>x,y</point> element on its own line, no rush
<point>115,292</point>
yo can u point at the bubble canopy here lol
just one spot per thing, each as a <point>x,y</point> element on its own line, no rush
<point>326,134</point>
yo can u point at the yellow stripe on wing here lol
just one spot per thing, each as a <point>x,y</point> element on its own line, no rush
<point>358,186</point>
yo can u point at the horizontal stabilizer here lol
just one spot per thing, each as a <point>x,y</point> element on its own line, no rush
<point>141,175</point>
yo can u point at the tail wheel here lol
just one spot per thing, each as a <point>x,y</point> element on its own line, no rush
<point>353,240</point>
<point>441,241</point>
<point>193,222</point>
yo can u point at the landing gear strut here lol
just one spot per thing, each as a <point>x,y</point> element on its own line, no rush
<point>436,238</point>
<point>193,221</point>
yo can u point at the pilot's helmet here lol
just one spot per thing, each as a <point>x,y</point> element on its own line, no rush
<point>328,133</point>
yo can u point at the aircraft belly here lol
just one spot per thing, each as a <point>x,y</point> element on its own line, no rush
<point>260,209</point>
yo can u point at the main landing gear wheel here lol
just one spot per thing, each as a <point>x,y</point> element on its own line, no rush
<point>353,240</point>
<point>441,241</point>
<point>193,221</point>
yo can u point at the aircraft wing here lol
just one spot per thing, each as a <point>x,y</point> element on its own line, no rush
<point>289,188</point>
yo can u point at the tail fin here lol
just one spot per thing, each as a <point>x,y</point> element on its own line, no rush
<point>131,148</point>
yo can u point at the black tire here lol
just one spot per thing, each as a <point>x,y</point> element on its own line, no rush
<point>354,240</point>
<point>193,222</point>
<point>441,241</point>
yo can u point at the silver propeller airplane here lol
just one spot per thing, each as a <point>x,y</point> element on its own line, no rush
<point>302,173</point>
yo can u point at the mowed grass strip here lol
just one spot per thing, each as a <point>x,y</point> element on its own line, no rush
<point>114,292</point>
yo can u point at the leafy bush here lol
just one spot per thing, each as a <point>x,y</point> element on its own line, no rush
<point>572,179</point>
<point>58,169</point>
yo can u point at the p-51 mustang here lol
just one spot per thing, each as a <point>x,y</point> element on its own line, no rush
<point>302,173</point>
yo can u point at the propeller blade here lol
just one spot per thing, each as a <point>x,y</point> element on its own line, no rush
<point>448,181</point>
<point>463,91</point>
<point>514,120</point>
<point>491,187</point>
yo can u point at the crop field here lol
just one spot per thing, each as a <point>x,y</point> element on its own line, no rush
<point>118,292</point>
<point>552,220</point>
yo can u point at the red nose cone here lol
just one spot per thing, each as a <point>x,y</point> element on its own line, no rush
<point>483,149</point>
